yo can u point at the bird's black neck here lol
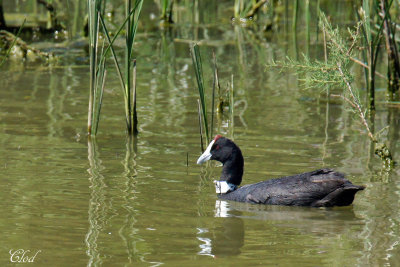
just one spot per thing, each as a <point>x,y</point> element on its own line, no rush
<point>232,171</point>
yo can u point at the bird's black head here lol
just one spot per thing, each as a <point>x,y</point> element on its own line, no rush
<point>228,153</point>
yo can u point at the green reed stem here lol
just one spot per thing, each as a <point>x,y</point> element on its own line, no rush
<point>231,107</point>
<point>99,101</point>
<point>131,28</point>
<point>215,82</point>
<point>196,58</point>
<point>127,81</point>
<point>94,11</point>
<point>133,93</point>
<point>200,125</point>
<point>372,44</point>
<point>166,10</point>
<point>308,20</point>
<point>295,14</point>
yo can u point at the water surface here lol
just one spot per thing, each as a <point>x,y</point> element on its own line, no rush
<point>114,201</point>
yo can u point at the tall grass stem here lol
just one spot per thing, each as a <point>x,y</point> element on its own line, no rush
<point>197,64</point>
<point>200,125</point>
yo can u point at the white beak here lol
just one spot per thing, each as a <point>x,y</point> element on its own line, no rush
<point>207,154</point>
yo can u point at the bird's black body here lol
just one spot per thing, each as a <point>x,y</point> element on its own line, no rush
<point>319,188</point>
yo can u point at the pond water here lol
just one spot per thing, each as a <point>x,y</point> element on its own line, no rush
<point>116,201</point>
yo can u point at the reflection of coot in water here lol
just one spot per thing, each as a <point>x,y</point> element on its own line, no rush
<point>228,237</point>
<point>292,214</point>
<point>306,220</point>
<point>320,188</point>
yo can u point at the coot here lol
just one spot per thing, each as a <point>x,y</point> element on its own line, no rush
<point>319,188</point>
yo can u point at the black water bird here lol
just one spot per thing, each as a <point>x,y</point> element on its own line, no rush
<point>319,188</point>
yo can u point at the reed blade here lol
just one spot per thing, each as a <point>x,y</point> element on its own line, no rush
<point>111,48</point>
<point>231,107</point>
<point>197,64</point>
<point>133,15</point>
<point>100,102</point>
<point>134,113</point>
<point>295,16</point>
<point>215,84</point>
<point>128,84</point>
<point>93,10</point>
<point>200,125</point>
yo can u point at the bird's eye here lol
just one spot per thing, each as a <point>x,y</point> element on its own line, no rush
<point>217,147</point>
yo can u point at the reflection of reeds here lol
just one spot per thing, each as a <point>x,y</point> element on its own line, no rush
<point>55,105</point>
<point>97,206</point>
<point>77,20</point>
<point>127,232</point>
